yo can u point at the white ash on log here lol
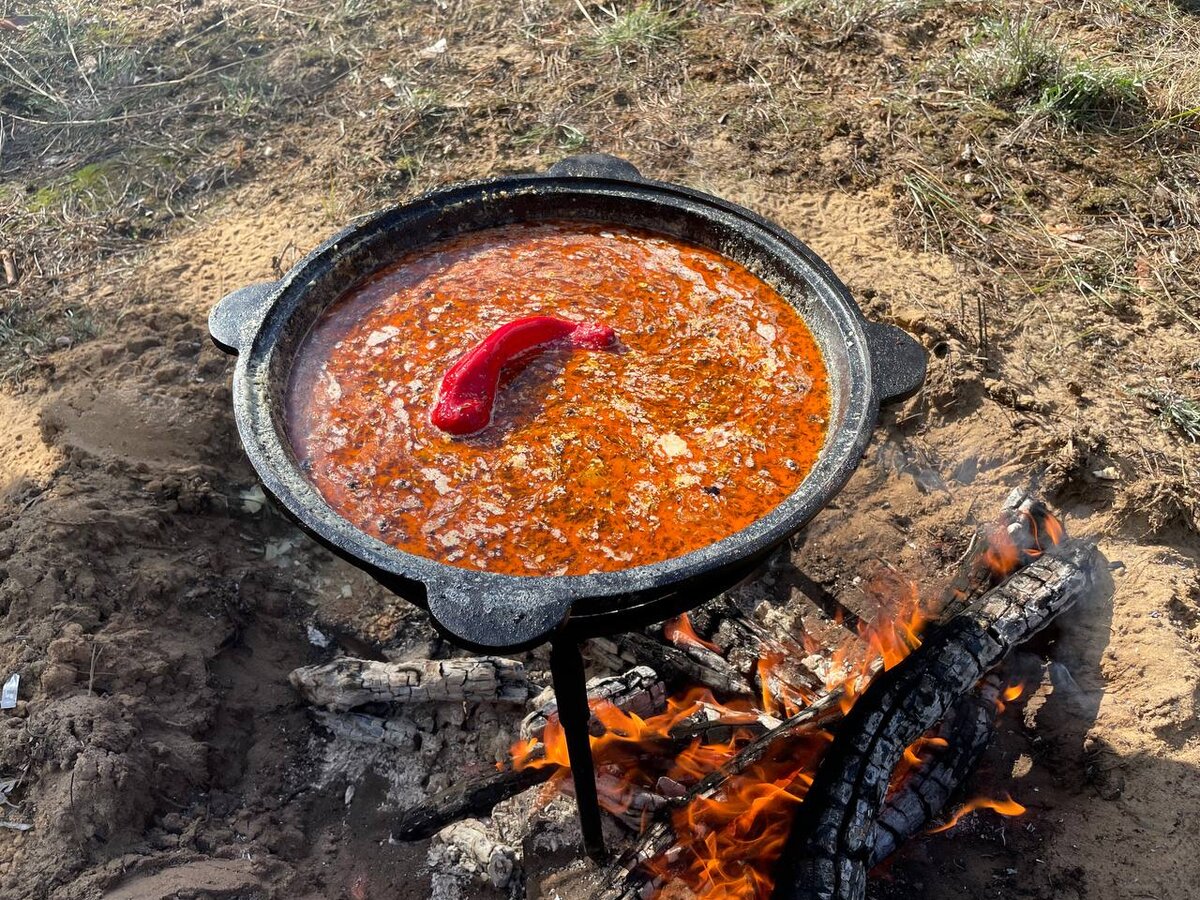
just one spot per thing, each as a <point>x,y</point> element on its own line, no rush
<point>690,664</point>
<point>347,683</point>
<point>829,850</point>
<point>467,852</point>
<point>638,689</point>
<point>363,729</point>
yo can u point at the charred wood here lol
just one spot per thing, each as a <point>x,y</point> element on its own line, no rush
<point>830,848</point>
<point>688,665</point>
<point>744,641</point>
<point>967,730</point>
<point>1021,517</point>
<point>637,689</point>
<point>623,880</point>
<point>716,724</point>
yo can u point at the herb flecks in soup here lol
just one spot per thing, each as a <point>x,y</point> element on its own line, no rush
<point>709,412</point>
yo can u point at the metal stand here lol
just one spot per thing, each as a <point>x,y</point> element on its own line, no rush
<point>570,689</point>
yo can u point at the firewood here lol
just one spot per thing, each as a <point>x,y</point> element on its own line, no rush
<point>467,850</point>
<point>347,682</point>
<point>638,689</point>
<point>1020,607</point>
<point>977,572</point>
<point>621,880</point>
<point>691,665</point>
<point>716,724</point>
<point>630,804</point>
<point>744,641</point>
<point>967,731</point>
<point>829,849</point>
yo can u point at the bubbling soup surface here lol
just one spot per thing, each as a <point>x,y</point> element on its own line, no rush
<point>710,411</point>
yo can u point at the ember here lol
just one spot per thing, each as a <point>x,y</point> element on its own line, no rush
<point>1006,807</point>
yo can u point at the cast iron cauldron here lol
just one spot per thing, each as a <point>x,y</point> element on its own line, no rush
<point>868,364</point>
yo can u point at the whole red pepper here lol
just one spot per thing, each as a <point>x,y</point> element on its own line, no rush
<point>468,390</point>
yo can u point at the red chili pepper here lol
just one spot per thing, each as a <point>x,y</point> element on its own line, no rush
<point>468,391</point>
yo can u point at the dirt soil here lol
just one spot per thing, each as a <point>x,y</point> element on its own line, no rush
<point>153,604</point>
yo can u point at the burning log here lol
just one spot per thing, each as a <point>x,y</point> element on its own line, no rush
<point>1024,529</point>
<point>631,804</point>
<point>690,664</point>
<point>923,794</point>
<point>347,682</point>
<point>625,880</point>
<point>746,643</point>
<point>639,690</point>
<point>829,849</point>
<point>631,877</point>
<point>711,724</point>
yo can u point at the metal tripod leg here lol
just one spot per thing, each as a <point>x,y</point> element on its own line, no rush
<point>570,689</point>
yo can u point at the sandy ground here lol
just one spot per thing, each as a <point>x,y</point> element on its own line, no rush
<point>153,608</point>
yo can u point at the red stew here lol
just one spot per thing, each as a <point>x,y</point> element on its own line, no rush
<point>710,410</point>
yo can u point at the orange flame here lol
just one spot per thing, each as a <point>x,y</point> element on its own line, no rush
<point>779,696</point>
<point>728,842</point>
<point>915,755</point>
<point>1003,556</point>
<point>1006,807</point>
<point>1008,695</point>
<point>679,631</point>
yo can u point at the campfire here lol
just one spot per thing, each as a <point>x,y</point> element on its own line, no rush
<point>509,451</point>
<point>775,765</point>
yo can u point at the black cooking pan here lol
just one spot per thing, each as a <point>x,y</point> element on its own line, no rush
<point>868,364</point>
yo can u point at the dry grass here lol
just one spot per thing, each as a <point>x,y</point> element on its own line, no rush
<point>1050,148</point>
<point>118,123</point>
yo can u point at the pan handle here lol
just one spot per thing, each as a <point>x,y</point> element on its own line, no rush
<point>897,362</point>
<point>228,320</point>
<point>480,614</point>
<point>596,165</point>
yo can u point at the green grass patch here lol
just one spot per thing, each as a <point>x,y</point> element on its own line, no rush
<point>1016,63</point>
<point>94,187</point>
<point>565,138</point>
<point>1176,411</point>
<point>642,29</point>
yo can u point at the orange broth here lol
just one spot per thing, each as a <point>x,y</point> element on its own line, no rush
<point>710,411</point>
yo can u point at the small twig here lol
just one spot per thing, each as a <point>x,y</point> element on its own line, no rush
<point>97,649</point>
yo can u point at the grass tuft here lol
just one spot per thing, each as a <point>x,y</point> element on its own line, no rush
<point>642,29</point>
<point>27,334</point>
<point>843,19</point>
<point>1176,411</point>
<point>1016,62</point>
